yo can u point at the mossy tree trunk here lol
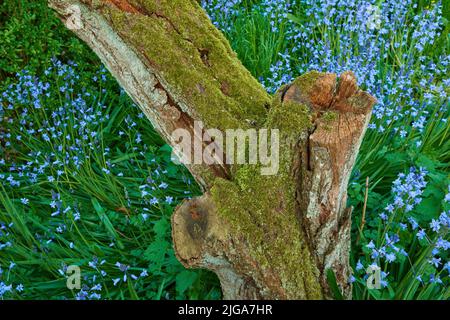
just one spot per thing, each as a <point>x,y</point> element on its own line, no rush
<point>266,237</point>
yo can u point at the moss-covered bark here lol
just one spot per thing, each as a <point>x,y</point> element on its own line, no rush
<point>194,58</point>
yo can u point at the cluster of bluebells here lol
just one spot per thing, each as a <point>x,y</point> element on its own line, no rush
<point>280,73</point>
<point>276,11</point>
<point>69,129</point>
<point>51,135</point>
<point>373,34</point>
<point>222,12</point>
<point>8,290</point>
<point>92,287</point>
<point>67,134</point>
<point>407,190</point>
<point>401,227</point>
<point>7,287</point>
<point>5,235</point>
<point>369,38</point>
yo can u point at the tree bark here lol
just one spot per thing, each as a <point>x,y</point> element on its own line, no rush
<point>266,237</point>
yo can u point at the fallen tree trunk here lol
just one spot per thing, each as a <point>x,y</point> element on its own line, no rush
<point>265,236</point>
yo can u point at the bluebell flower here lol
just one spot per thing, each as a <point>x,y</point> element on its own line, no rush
<point>169,199</point>
<point>4,288</point>
<point>390,257</point>
<point>435,279</point>
<point>447,196</point>
<point>435,225</point>
<point>370,245</point>
<point>421,234</point>
<point>435,262</point>
<point>351,279</point>
<point>116,281</point>
<point>144,273</point>
<point>447,266</point>
<point>359,266</point>
<point>413,222</point>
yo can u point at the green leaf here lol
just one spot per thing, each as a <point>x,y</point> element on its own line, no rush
<point>185,280</point>
<point>426,162</point>
<point>428,209</point>
<point>295,19</point>
<point>132,291</point>
<point>331,278</point>
<point>161,227</point>
<point>106,222</point>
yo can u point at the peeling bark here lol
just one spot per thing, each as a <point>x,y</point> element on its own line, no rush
<point>266,237</point>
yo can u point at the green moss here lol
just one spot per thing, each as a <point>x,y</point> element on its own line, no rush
<point>289,117</point>
<point>261,210</point>
<point>306,81</point>
<point>195,59</point>
<point>245,175</point>
<point>328,118</point>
